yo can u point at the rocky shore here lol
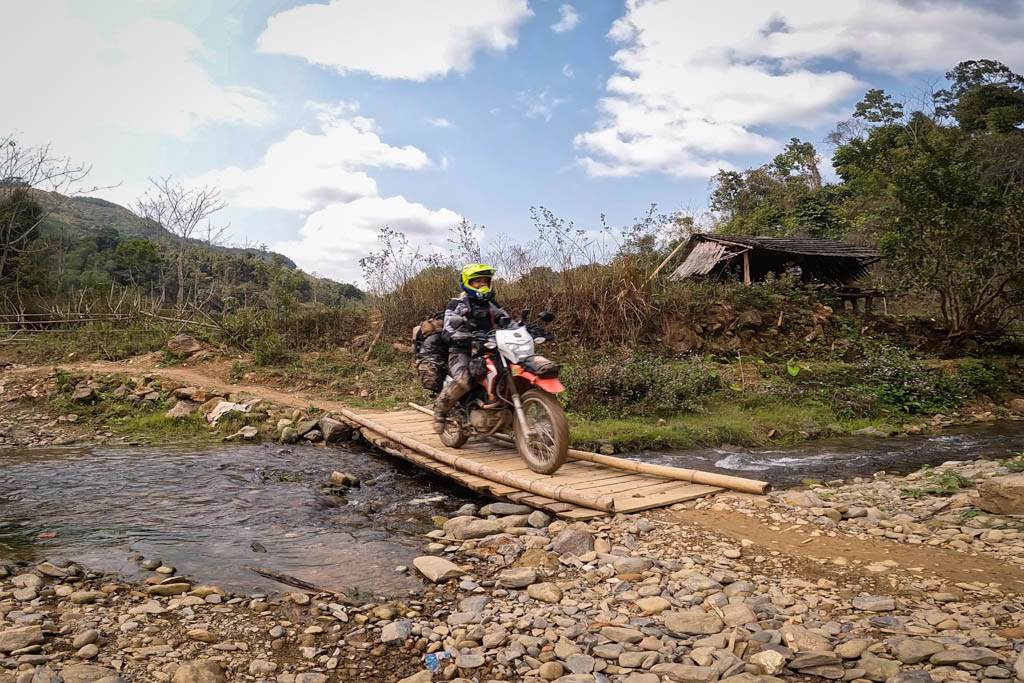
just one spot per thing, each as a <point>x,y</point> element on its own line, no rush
<point>510,594</point>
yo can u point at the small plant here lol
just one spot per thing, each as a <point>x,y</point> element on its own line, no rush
<point>942,483</point>
<point>794,368</point>
<point>1013,465</point>
<point>969,514</point>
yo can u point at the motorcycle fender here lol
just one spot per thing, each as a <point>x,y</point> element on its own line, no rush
<point>552,386</point>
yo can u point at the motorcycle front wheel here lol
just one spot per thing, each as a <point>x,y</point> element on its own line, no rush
<point>547,446</point>
<point>453,435</point>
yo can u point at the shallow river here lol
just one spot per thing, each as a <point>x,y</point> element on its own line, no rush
<point>849,456</point>
<point>212,512</point>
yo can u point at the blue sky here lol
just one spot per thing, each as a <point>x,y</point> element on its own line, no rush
<point>320,122</point>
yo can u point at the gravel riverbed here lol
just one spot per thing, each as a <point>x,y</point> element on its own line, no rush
<point>510,594</point>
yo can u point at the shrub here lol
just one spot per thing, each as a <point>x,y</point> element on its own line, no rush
<point>641,384</point>
<point>905,384</point>
<point>979,377</point>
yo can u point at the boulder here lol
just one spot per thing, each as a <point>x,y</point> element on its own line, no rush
<point>465,527</point>
<point>693,623</point>
<point>517,578</point>
<point>972,655</point>
<point>183,344</point>
<point>202,671</point>
<point>505,509</point>
<point>545,592</point>
<point>183,408</point>
<point>436,569</point>
<point>802,499</point>
<point>538,559</point>
<point>396,631</point>
<point>83,394</point>
<point>334,431</point>
<point>1002,495</point>
<point>632,565</point>
<point>912,651</point>
<point>344,479</point>
<point>874,603</point>
<point>86,673</point>
<point>572,542</point>
<point>17,638</point>
<point>876,668</point>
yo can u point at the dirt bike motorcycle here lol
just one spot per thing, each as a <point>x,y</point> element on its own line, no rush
<point>511,386</point>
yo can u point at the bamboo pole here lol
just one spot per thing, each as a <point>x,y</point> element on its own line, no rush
<point>740,484</point>
<point>540,487</point>
<point>746,267</point>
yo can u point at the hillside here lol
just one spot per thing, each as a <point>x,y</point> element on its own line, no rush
<point>83,216</point>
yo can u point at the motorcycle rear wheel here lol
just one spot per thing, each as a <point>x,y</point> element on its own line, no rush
<point>453,436</point>
<point>548,448</point>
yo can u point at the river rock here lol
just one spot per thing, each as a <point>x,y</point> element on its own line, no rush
<point>802,499</point>
<point>86,673</point>
<point>167,589</point>
<point>501,509</point>
<point>876,668</point>
<point>421,677</point>
<point>436,569</point>
<point>85,638</point>
<point>572,542</point>
<point>83,394</point>
<point>517,578</point>
<point>632,565</point>
<point>538,559</point>
<point>17,638</point>
<point>769,662</point>
<point>653,605</point>
<point>183,408</point>
<point>334,430</point>
<point>912,650</point>
<point>396,631</point>
<point>85,597</point>
<point>538,519</point>
<point>973,655</point>
<point>620,634</point>
<point>684,673</point>
<point>469,661</point>
<point>465,528</point>
<point>802,639</point>
<point>1002,495</point>
<point>183,344</point>
<point>52,570</point>
<point>344,479</point>
<point>545,592</point>
<point>737,613</point>
<point>874,603</point>
<point>87,651</point>
<point>913,676</point>
<point>289,435</point>
<point>261,667</point>
<point>693,623</point>
<point>549,671</point>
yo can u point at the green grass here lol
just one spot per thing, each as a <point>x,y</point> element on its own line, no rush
<point>157,427</point>
<point>723,423</point>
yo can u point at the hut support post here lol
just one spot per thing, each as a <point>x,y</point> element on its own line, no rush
<point>746,267</point>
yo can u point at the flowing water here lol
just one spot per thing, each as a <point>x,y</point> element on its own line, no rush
<point>849,456</point>
<point>212,512</point>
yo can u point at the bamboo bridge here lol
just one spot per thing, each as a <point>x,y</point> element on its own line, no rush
<point>588,485</point>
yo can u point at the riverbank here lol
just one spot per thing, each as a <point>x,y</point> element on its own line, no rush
<point>759,404</point>
<point>732,588</point>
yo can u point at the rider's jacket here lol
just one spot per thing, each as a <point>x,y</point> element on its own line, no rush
<point>481,316</point>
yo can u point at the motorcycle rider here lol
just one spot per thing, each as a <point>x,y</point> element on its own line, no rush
<point>476,306</point>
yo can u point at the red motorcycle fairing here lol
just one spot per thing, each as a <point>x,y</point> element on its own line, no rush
<point>552,386</point>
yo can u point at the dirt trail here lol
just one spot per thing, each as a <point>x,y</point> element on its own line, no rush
<point>924,561</point>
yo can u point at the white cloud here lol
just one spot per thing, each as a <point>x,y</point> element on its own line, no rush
<point>541,105</point>
<point>104,88</point>
<point>404,39</point>
<point>307,171</point>
<point>694,85</point>
<point>568,71</point>
<point>332,240</point>
<point>323,176</point>
<point>440,123</point>
<point>569,19</point>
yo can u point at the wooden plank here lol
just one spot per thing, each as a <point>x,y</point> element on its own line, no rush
<point>693,492</point>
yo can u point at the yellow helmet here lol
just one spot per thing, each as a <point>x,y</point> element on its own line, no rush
<point>475,270</point>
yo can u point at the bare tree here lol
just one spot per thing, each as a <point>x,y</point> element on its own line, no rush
<point>179,210</point>
<point>25,174</point>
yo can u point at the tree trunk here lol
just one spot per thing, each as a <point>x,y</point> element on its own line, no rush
<point>181,279</point>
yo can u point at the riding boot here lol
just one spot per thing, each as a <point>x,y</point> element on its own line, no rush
<point>451,393</point>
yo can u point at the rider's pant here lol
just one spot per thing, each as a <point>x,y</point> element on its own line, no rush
<point>458,367</point>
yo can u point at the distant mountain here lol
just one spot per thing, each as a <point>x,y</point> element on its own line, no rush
<point>90,215</point>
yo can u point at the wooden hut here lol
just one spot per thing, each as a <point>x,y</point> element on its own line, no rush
<point>819,260</point>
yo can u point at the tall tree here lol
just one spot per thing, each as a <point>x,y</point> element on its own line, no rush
<point>179,210</point>
<point>23,172</point>
<point>946,196</point>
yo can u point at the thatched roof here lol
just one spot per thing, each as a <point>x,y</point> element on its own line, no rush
<point>823,260</point>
